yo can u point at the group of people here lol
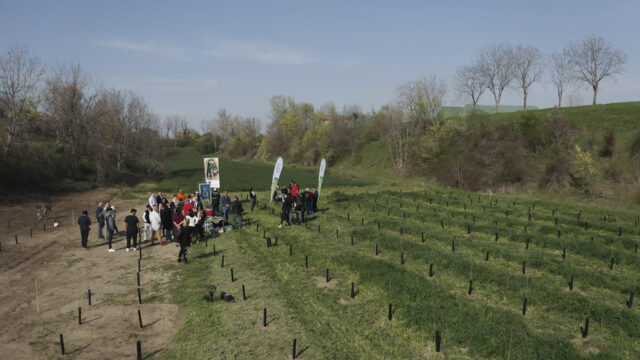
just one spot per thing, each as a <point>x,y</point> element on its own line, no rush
<point>293,200</point>
<point>180,219</point>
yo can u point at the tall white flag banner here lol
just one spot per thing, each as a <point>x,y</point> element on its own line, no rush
<point>276,175</point>
<point>323,166</point>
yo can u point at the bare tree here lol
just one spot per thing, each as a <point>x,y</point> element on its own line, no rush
<point>528,67</point>
<point>468,81</point>
<point>496,63</point>
<point>394,130</point>
<point>70,109</point>
<point>594,59</point>
<point>20,74</point>
<point>176,125</point>
<point>423,99</point>
<point>560,73</point>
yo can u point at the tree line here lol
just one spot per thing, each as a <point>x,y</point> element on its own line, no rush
<point>59,124</point>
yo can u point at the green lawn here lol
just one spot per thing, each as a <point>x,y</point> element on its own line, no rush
<point>488,323</point>
<point>186,171</point>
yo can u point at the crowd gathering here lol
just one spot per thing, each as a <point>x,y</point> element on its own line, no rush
<point>295,201</point>
<point>180,219</point>
<point>185,218</point>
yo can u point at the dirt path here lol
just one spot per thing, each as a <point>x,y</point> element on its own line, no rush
<point>64,271</point>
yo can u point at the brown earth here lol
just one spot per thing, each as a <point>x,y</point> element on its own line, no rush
<point>64,272</point>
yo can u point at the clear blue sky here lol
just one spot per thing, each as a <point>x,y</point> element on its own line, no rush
<point>192,58</point>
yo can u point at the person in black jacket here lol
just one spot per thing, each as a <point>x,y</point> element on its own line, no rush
<point>184,240</point>
<point>236,211</point>
<point>286,210</point>
<point>254,198</point>
<point>85,224</point>
<point>131,226</point>
<point>166,217</point>
<point>215,202</point>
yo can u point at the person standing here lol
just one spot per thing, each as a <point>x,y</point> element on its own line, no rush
<point>166,216</point>
<point>152,200</point>
<point>156,223</point>
<point>85,224</point>
<point>299,209</point>
<point>110,222</point>
<point>236,212</point>
<point>226,205</point>
<point>177,220</point>
<point>131,226</point>
<point>215,202</point>
<point>187,206</point>
<point>286,210</point>
<point>308,201</point>
<point>254,198</point>
<point>147,224</point>
<point>294,188</point>
<point>100,220</point>
<point>192,221</point>
<point>183,239</point>
<point>202,216</point>
<point>316,194</point>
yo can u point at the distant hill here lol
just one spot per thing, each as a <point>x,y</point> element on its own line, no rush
<point>450,111</point>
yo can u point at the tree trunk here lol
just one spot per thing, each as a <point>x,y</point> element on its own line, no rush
<point>559,98</point>
<point>595,94</point>
<point>524,108</point>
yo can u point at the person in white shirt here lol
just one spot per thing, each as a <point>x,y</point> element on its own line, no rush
<point>192,221</point>
<point>156,224</point>
<point>152,200</point>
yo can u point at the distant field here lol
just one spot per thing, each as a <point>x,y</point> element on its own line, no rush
<point>186,171</point>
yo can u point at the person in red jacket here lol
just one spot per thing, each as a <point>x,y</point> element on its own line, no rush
<point>294,189</point>
<point>187,206</point>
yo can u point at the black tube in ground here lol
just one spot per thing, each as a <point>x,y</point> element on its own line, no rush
<point>264,317</point>
<point>89,296</point>
<point>524,306</point>
<point>486,258</point>
<point>564,253</point>
<point>138,278</point>
<point>571,284</point>
<point>438,340</point>
<point>79,316</point>
<point>139,265</point>
<point>306,261</point>
<point>453,245</point>
<point>244,294</point>
<point>139,296</point>
<point>422,237</point>
<point>630,301</point>
<point>611,265</point>
<point>390,311</point>
<point>290,250</point>
<point>232,278</point>
<point>527,244</point>
<point>353,292</point>
<point>214,250</point>
<point>402,257</point>
<point>16,239</point>
<point>470,286</point>
<point>294,348</point>
<point>376,249</point>
<point>140,319</point>
<point>524,267</point>
<point>351,240</point>
<point>138,350</point>
<point>222,263</point>
<point>328,275</point>
<point>318,229</point>
<point>61,344</point>
<point>431,270</point>
<point>585,329</point>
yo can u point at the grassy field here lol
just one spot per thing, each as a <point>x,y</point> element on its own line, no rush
<point>186,171</point>
<point>492,241</point>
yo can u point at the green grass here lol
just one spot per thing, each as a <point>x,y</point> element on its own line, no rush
<point>489,323</point>
<point>186,171</point>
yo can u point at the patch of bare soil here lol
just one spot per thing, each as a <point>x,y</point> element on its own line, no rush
<point>64,271</point>
<point>322,283</point>
<point>585,345</point>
